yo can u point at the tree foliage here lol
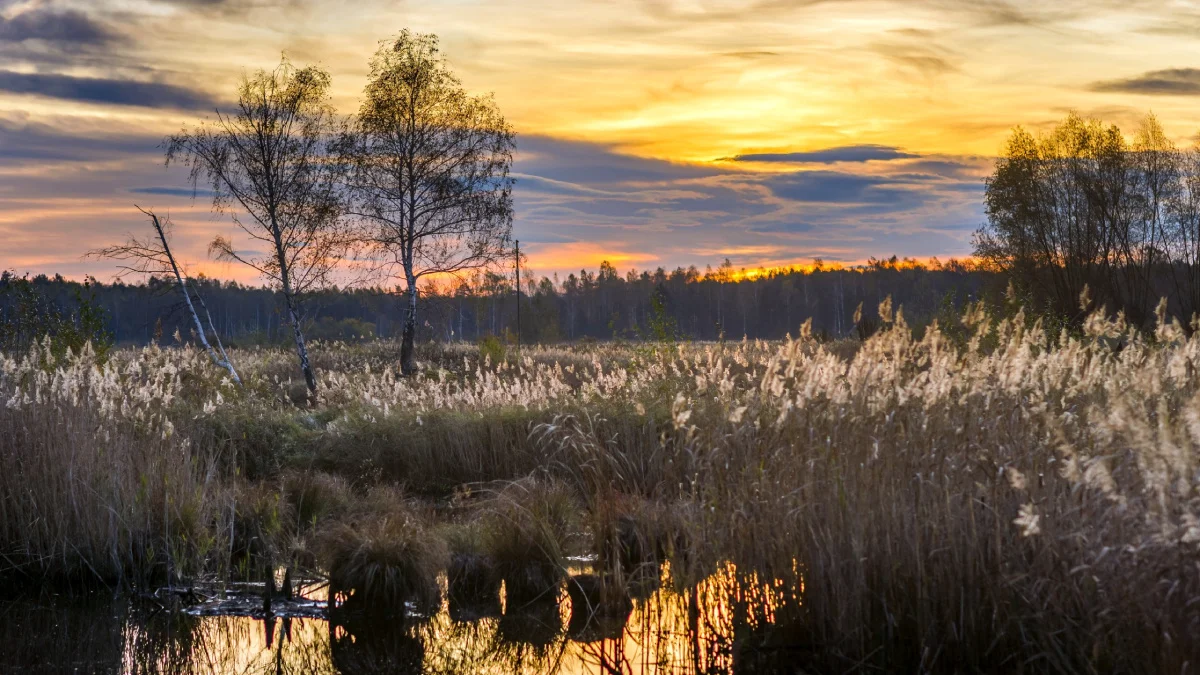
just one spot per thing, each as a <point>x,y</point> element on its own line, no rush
<point>28,316</point>
<point>427,169</point>
<point>1082,207</point>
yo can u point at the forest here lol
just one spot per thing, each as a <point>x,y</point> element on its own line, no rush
<point>604,304</point>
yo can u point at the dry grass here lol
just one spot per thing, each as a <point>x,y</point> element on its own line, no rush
<point>993,502</point>
<point>94,485</point>
<point>380,565</point>
<point>528,527</point>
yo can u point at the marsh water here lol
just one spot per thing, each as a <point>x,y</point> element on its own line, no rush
<point>228,631</point>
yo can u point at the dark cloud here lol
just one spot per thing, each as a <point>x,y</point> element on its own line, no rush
<point>548,238</point>
<point>973,168</point>
<point>849,153</point>
<point>594,164</point>
<point>103,90</point>
<point>781,227</point>
<point>23,141</point>
<point>1168,82</point>
<point>173,192</point>
<point>69,27</point>
<point>836,187</point>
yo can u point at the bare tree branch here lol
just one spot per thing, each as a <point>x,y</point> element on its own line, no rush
<point>268,165</point>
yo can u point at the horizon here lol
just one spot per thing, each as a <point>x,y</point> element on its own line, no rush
<point>768,133</point>
<point>442,285</point>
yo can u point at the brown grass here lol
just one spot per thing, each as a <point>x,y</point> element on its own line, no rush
<point>998,503</point>
<point>378,566</point>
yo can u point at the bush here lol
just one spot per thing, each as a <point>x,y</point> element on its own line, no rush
<point>492,349</point>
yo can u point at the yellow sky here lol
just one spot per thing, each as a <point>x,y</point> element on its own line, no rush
<point>650,95</point>
<point>695,81</point>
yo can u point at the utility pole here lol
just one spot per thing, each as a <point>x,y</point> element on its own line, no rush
<point>517,255</point>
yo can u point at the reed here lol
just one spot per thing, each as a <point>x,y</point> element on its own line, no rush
<point>986,497</point>
<point>377,567</point>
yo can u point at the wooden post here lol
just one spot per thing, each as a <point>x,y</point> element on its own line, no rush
<point>517,253</point>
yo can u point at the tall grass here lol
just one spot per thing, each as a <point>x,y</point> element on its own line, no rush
<point>985,497</point>
<point>94,484</point>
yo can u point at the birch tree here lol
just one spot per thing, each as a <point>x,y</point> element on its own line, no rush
<point>427,171</point>
<point>152,256</point>
<point>267,165</point>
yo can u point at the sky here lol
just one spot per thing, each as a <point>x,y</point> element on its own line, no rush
<point>652,133</point>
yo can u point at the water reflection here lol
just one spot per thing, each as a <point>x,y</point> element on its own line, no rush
<point>710,628</point>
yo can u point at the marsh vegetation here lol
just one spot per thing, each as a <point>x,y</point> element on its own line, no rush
<point>984,496</point>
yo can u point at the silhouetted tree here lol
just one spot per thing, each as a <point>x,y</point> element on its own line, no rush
<point>428,170</point>
<point>268,165</point>
<point>1081,206</point>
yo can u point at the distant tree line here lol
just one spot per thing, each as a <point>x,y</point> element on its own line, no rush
<point>602,304</point>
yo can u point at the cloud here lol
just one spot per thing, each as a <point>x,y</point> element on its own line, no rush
<point>1168,82</point>
<point>834,187</point>
<point>595,163</point>
<point>37,142</point>
<point>594,193</point>
<point>104,90</point>
<point>848,153</point>
<point>70,27</point>
<point>919,54</point>
<point>198,193</point>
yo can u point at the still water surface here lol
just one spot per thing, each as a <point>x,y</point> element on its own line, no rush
<point>696,631</point>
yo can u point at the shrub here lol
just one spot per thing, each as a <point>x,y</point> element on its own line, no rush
<point>492,349</point>
<point>313,497</point>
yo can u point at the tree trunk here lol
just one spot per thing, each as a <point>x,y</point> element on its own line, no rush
<point>221,360</point>
<point>301,349</point>
<point>407,345</point>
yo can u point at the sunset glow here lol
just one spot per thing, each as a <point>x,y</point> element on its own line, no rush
<point>650,134</point>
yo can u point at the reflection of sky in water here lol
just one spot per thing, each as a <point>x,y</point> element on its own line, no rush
<point>662,635</point>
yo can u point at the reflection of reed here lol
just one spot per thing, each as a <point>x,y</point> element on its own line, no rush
<point>457,647</point>
<point>375,646</point>
<point>160,643</point>
<point>525,640</point>
<point>530,638</point>
<point>242,645</point>
<point>727,623</point>
<point>50,635</point>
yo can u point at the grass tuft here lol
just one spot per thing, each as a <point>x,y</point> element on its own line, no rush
<point>528,528</point>
<point>378,565</point>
